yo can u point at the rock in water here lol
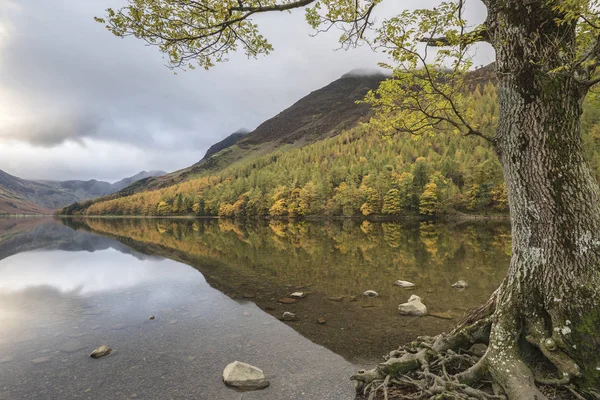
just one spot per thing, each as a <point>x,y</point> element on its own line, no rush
<point>404,283</point>
<point>151,317</point>
<point>101,352</point>
<point>289,316</point>
<point>287,300</point>
<point>460,285</point>
<point>244,376</point>
<point>414,306</point>
<point>371,293</point>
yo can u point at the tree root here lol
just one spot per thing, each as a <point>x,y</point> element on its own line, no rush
<point>427,367</point>
<point>447,367</point>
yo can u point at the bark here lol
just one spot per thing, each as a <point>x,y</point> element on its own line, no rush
<point>551,293</point>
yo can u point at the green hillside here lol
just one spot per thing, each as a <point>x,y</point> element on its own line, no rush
<point>357,173</point>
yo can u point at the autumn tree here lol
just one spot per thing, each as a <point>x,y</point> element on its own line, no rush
<point>546,63</point>
<point>428,202</point>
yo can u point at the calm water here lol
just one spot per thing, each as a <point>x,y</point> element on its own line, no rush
<point>67,287</point>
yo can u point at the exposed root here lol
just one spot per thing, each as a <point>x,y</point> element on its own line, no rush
<point>449,366</point>
<point>429,367</point>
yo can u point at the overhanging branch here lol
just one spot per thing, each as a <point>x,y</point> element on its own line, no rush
<point>274,7</point>
<point>480,34</point>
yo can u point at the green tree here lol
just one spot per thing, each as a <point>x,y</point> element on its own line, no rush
<point>429,202</point>
<point>392,203</point>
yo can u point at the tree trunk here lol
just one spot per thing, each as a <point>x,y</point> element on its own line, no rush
<point>550,297</point>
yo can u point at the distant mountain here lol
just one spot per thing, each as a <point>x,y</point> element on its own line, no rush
<point>22,196</point>
<point>123,183</point>
<point>225,143</point>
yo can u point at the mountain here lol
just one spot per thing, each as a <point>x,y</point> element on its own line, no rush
<point>225,143</point>
<point>316,159</point>
<point>22,196</point>
<point>123,183</point>
<point>323,113</point>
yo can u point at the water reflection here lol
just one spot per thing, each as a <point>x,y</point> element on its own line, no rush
<point>335,262</point>
<point>65,292</point>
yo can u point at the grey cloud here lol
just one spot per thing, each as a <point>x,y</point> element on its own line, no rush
<point>53,130</point>
<point>65,79</point>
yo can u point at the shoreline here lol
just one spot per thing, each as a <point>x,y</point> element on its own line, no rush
<point>454,217</point>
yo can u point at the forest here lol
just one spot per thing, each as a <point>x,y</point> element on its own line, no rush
<point>357,173</point>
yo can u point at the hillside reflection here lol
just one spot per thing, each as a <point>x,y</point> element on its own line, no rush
<point>335,262</point>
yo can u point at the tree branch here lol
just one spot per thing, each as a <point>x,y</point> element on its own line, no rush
<point>274,7</point>
<point>480,34</point>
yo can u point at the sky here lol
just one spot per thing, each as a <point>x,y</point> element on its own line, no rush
<point>79,103</point>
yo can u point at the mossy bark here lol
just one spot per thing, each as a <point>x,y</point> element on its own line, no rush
<point>551,293</point>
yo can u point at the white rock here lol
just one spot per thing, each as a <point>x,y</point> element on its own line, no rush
<point>404,283</point>
<point>297,295</point>
<point>414,306</point>
<point>288,316</point>
<point>101,352</point>
<point>244,376</point>
<point>371,293</point>
<point>414,297</point>
<point>460,285</point>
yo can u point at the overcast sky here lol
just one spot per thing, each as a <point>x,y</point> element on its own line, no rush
<point>79,103</point>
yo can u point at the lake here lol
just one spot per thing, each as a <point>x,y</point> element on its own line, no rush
<point>214,287</point>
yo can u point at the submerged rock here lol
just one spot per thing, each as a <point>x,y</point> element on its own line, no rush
<point>371,293</point>
<point>414,306</point>
<point>339,298</point>
<point>244,376</point>
<point>40,360</point>
<point>71,346</point>
<point>287,300</point>
<point>460,285</point>
<point>289,316</point>
<point>406,284</point>
<point>101,352</point>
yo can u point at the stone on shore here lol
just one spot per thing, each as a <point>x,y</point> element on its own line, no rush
<point>244,376</point>
<point>101,352</point>
<point>371,293</point>
<point>414,306</point>
<point>298,295</point>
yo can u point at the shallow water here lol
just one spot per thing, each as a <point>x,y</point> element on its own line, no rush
<point>67,287</point>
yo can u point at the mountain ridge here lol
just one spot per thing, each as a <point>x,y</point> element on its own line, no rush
<point>324,112</point>
<point>23,196</point>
